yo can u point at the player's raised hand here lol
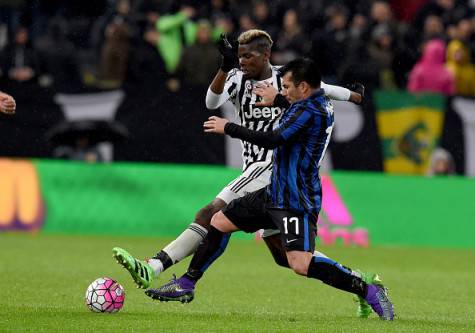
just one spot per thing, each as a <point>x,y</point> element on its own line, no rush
<point>7,104</point>
<point>267,93</point>
<point>215,125</point>
<point>357,93</point>
<point>228,50</point>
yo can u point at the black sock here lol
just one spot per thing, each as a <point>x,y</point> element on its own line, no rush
<point>164,258</point>
<point>336,275</point>
<point>209,250</point>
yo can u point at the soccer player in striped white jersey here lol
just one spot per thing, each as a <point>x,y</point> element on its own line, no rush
<point>237,85</point>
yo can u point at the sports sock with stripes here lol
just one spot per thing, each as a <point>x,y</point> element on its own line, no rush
<point>209,250</point>
<point>334,274</point>
<point>184,245</point>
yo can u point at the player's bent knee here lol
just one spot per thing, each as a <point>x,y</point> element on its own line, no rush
<point>204,215</point>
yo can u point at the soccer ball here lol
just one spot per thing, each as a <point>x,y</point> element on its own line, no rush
<point>105,295</point>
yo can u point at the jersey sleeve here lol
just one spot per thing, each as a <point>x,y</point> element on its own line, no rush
<point>230,91</point>
<point>336,93</point>
<point>286,132</point>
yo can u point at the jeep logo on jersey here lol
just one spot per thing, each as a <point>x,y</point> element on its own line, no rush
<point>265,113</point>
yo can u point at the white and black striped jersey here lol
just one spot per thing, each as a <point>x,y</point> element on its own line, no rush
<point>239,91</point>
<point>253,117</point>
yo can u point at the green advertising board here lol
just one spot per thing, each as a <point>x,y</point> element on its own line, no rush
<point>162,199</point>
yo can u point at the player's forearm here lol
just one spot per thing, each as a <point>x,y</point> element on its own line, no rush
<point>336,92</point>
<point>269,140</point>
<point>217,85</point>
<point>214,96</point>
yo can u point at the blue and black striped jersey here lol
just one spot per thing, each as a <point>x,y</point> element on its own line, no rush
<point>300,141</point>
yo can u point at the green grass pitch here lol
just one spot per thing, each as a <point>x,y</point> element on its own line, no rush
<point>43,279</point>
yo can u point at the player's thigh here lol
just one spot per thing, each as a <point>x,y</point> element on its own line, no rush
<point>298,230</point>
<point>248,213</point>
<point>222,223</point>
<point>257,176</point>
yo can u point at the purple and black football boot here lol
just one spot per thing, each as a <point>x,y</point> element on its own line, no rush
<point>178,290</point>
<point>377,298</point>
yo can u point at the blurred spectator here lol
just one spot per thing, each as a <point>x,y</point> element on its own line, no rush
<point>381,13</point>
<point>146,71</point>
<point>246,23</point>
<point>10,14</point>
<point>18,61</point>
<point>442,8</point>
<point>381,51</point>
<point>291,42</point>
<point>433,28</point>
<point>149,10</point>
<point>465,33</point>
<point>115,54</point>
<point>57,62</point>
<point>441,163</point>
<point>328,46</point>
<point>223,23</point>
<point>118,16</point>
<point>430,74</point>
<point>358,66</point>
<point>261,16</point>
<point>459,64</point>
<point>200,61</point>
<point>358,26</point>
<point>176,31</point>
<point>217,8</point>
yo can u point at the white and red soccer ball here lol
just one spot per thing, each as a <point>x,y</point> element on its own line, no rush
<point>105,295</point>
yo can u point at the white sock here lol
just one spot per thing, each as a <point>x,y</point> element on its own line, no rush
<point>186,243</point>
<point>156,265</point>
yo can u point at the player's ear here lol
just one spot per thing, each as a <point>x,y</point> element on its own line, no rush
<point>304,87</point>
<point>266,54</point>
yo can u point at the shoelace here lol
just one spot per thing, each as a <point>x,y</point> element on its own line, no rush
<point>170,286</point>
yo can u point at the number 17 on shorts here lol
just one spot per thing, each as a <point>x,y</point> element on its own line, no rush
<point>298,230</point>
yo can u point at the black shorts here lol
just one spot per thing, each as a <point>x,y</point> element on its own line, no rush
<point>252,213</point>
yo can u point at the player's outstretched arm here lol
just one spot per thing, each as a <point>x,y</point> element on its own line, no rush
<point>355,95</point>
<point>288,130</point>
<point>218,125</point>
<point>7,103</point>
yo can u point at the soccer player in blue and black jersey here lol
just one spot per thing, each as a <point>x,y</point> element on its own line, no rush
<point>291,202</point>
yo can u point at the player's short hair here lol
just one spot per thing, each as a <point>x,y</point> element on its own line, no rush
<point>261,39</point>
<point>303,69</point>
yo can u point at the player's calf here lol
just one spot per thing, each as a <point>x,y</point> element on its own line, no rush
<point>299,261</point>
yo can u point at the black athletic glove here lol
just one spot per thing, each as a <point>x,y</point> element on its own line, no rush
<point>228,52</point>
<point>358,88</point>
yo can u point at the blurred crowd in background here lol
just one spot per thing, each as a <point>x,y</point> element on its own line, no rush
<point>73,45</point>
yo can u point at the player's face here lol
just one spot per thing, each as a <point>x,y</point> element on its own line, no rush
<point>252,61</point>
<point>289,90</point>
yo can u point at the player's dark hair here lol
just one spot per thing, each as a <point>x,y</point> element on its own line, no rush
<point>258,39</point>
<point>303,69</point>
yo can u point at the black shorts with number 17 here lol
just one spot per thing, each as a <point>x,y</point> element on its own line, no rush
<point>252,213</point>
